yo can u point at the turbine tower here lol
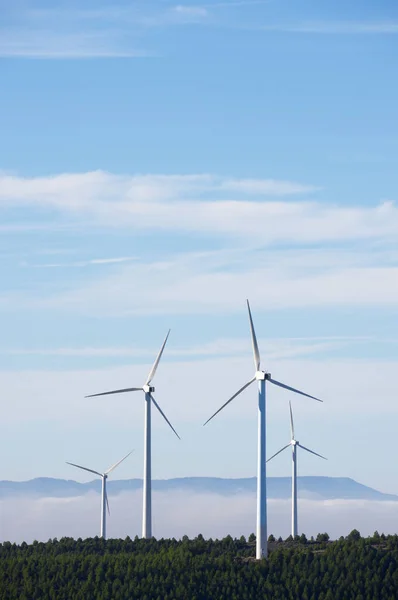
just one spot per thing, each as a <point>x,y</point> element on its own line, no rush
<point>262,377</point>
<point>104,495</point>
<point>149,400</point>
<point>294,444</point>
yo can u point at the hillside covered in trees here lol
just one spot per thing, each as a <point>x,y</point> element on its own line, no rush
<point>351,568</point>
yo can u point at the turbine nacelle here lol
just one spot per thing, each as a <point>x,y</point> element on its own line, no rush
<point>148,389</point>
<point>262,375</point>
<point>295,443</point>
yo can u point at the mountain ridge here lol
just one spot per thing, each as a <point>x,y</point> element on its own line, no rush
<point>312,487</point>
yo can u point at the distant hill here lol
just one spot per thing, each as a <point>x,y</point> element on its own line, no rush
<point>316,488</point>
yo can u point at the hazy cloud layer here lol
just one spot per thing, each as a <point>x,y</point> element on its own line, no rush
<point>177,514</point>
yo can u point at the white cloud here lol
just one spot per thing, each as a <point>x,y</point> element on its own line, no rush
<point>198,203</point>
<point>194,12</point>
<point>266,187</point>
<point>176,514</point>
<point>254,225</point>
<point>90,187</point>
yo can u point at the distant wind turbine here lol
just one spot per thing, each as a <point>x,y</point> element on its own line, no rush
<point>262,377</point>
<point>104,495</point>
<point>149,399</point>
<point>294,444</point>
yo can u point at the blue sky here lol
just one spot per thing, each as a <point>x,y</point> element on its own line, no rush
<point>161,162</point>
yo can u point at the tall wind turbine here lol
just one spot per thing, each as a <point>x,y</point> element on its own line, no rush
<point>104,495</point>
<point>261,377</point>
<point>294,444</point>
<point>149,399</point>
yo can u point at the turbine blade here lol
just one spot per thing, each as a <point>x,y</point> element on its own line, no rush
<point>118,463</point>
<point>256,353</point>
<point>292,389</point>
<point>155,364</point>
<point>84,468</point>
<point>230,400</point>
<point>164,416</point>
<point>291,421</point>
<point>312,452</point>
<point>279,451</point>
<point>107,503</point>
<point>115,392</point>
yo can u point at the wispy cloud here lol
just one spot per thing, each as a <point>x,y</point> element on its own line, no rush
<point>99,184</point>
<point>191,11</point>
<point>113,31</point>
<point>72,33</point>
<point>108,31</point>
<point>43,44</point>
<point>335,27</point>
<point>277,349</point>
<point>206,283</point>
<point>25,227</point>
<point>201,203</point>
<point>236,3</point>
<point>179,287</point>
<point>81,263</point>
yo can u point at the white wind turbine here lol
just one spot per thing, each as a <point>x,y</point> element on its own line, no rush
<point>294,444</point>
<point>104,495</point>
<point>262,377</point>
<point>149,399</point>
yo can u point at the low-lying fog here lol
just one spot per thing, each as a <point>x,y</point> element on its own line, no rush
<point>179,513</point>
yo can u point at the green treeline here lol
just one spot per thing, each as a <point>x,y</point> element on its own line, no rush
<point>93,569</point>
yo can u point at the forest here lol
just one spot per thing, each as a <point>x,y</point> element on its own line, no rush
<point>197,569</point>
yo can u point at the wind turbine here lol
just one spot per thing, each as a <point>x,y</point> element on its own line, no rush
<point>149,399</point>
<point>294,444</point>
<point>262,377</point>
<point>104,495</point>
